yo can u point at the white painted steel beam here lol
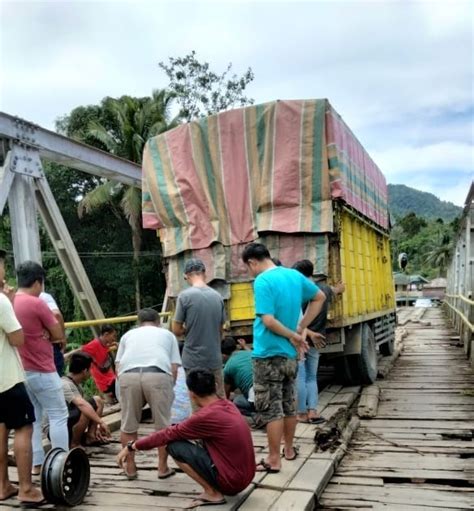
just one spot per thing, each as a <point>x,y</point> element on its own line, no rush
<point>63,150</point>
<point>24,220</point>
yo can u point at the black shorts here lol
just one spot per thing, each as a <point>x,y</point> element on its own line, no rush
<point>195,456</point>
<point>75,414</point>
<point>16,409</point>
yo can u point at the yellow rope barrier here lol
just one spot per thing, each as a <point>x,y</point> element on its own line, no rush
<point>463,298</point>
<point>103,321</point>
<point>461,315</point>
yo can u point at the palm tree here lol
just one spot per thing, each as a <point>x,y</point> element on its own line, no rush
<point>440,253</point>
<point>132,122</point>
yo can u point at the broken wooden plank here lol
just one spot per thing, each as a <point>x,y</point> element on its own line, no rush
<point>369,401</point>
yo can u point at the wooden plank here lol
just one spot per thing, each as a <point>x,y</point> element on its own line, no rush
<point>369,402</point>
<point>283,478</point>
<point>404,460</point>
<point>294,501</point>
<point>426,424</point>
<point>260,499</point>
<point>334,388</point>
<point>354,389</point>
<point>313,476</point>
<point>427,415</point>
<point>347,504</point>
<point>404,473</point>
<point>343,399</point>
<point>364,481</point>
<point>399,494</point>
<point>234,502</point>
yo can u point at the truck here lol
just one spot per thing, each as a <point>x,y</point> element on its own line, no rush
<point>292,175</point>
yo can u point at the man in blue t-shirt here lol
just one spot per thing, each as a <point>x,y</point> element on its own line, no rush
<point>277,342</point>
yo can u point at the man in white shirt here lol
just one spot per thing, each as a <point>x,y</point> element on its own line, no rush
<point>147,364</point>
<point>16,410</point>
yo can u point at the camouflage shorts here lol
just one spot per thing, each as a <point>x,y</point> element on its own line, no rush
<point>274,386</point>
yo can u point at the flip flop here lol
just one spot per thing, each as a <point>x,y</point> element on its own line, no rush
<point>170,473</point>
<point>13,493</point>
<point>296,451</point>
<point>129,476</point>
<point>266,467</point>
<point>316,420</point>
<point>205,502</point>
<point>31,504</point>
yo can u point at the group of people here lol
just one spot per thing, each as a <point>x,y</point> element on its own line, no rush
<point>276,379</point>
<point>289,328</point>
<point>33,392</point>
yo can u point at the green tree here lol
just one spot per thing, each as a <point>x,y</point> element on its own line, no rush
<point>200,91</point>
<point>439,254</point>
<point>412,224</point>
<point>121,126</point>
<point>103,241</point>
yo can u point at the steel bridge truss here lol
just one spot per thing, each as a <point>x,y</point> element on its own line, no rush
<point>24,186</point>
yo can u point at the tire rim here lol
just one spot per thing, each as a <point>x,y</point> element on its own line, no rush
<point>65,476</point>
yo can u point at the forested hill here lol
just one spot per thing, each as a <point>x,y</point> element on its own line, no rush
<point>403,200</point>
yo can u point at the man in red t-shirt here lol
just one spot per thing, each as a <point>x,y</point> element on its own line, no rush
<point>43,384</point>
<point>102,369</point>
<point>225,464</point>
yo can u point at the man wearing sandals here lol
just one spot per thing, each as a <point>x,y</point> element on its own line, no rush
<point>213,446</point>
<point>85,424</point>
<point>16,409</point>
<point>277,342</point>
<point>147,364</point>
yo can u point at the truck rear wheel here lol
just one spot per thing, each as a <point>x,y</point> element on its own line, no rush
<point>361,368</point>
<point>364,365</point>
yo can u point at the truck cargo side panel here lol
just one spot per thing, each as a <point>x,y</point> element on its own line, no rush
<point>365,269</point>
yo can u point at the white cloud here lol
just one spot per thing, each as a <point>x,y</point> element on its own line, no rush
<point>400,160</point>
<point>400,73</point>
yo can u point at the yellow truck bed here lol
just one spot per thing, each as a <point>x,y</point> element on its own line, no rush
<point>359,255</point>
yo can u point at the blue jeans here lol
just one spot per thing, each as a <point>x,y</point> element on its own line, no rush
<point>46,393</point>
<point>244,405</point>
<point>306,383</point>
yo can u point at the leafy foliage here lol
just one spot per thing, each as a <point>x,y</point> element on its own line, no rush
<point>121,126</point>
<point>428,244</point>
<point>412,224</point>
<point>104,243</point>
<point>200,91</point>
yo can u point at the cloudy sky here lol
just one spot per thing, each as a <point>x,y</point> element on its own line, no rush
<point>399,72</point>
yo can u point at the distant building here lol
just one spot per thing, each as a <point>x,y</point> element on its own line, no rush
<point>408,288</point>
<point>417,282</point>
<point>435,289</point>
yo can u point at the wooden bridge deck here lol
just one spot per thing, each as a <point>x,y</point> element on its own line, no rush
<point>417,454</point>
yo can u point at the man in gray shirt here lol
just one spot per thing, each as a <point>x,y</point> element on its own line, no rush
<point>200,317</point>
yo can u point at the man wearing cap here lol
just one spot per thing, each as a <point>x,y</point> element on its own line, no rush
<point>200,317</point>
<point>16,409</point>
